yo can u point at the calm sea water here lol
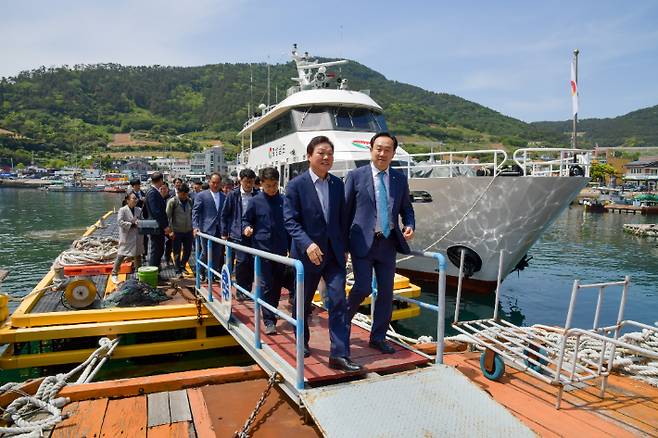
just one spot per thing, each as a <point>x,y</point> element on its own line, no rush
<point>36,226</point>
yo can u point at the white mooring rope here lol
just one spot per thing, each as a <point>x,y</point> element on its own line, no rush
<point>20,411</point>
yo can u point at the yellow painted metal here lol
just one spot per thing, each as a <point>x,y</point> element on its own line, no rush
<point>80,292</point>
<point>110,286</point>
<point>10,335</point>
<point>8,361</point>
<point>408,312</point>
<point>104,315</point>
<point>412,291</point>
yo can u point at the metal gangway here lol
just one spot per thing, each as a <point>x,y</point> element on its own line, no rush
<point>551,354</point>
<point>342,406</point>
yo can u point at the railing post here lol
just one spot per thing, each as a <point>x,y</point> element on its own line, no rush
<point>197,265</point>
<point>459,285</point>
<point>229,259</point>
<point>498,281</point>
<point>440,330</point>
<point>299,327</point>
<point>373,297</point>
<point>209,269</point>
<point>257,276</point>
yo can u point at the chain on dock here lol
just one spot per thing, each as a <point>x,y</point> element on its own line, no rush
<point>244,433</point>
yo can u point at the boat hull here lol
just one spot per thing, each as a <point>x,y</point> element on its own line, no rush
<point>507,214</point>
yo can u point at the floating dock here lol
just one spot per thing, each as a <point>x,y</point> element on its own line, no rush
<point>632,209</point>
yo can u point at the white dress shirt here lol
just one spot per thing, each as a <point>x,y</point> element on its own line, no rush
<point>215,197</point>
<point>377,182</point>
<point>245,197</point>
<point>322,189</point>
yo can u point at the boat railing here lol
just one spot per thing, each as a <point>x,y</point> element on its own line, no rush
<point>448,164</point>
<point>256,297</point>
<point>553,161</point>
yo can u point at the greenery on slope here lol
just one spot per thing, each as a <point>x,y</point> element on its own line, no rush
<point>70,112</point>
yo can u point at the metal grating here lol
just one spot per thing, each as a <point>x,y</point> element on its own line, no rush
<point>432,402</point>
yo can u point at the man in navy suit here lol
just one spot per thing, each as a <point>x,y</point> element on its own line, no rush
<point>375,238</point>
<point>156,207</point>
<point>315,219</point>
<point>206,213</point>
<point>234,207</point>
<point>263,222</point>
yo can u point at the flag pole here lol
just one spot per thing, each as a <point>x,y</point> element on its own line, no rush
<point>574,138</point>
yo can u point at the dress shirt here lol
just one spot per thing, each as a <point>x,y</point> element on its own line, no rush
<point>215,197</point>
<point>377,182</point>
<point>245,197</point>
<point>322,189</point>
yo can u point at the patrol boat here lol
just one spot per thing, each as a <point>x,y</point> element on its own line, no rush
<point>481,202</point>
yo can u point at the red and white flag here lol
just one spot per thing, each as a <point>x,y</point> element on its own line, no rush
<point>574,87</point>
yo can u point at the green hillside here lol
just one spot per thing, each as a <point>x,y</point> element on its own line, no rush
<point>637,128</point>
<point>68,112</point>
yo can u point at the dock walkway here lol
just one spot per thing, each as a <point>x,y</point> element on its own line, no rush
<point>316,367</point>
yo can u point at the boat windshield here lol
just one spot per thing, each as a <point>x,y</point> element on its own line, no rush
<point>321,118</point>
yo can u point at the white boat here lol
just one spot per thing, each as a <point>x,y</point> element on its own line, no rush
<point>481,201</point>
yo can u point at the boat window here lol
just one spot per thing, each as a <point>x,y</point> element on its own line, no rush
<point>314,118</point>
<point>277,128</point>
<point>320,118</point>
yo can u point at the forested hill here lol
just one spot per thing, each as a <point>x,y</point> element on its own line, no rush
<point>637,128</point>
<point>58,110</point>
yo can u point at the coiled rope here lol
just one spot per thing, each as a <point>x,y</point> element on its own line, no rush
<point>20,411</point>
<point>89,250</point>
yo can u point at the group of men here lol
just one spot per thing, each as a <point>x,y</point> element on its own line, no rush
<point>319,220</point>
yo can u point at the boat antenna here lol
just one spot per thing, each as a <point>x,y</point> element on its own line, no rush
<point>574,97</point>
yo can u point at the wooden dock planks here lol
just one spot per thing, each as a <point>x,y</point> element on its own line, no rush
<point>85,419</point>
<point>629,408</point>
<point>125,417</point>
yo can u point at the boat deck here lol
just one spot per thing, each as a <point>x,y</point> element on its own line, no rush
<point>316,367</point>
<point>189,404</point>
<point>630,408</point>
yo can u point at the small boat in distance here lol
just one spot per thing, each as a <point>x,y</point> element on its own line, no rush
<point>482,202</point>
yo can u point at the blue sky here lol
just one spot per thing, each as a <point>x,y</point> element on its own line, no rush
<point>511,56</point>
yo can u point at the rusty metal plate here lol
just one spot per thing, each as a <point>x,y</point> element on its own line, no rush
<point>437,401</point>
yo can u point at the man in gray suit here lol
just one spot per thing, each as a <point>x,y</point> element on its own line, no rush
<point>206,218</point>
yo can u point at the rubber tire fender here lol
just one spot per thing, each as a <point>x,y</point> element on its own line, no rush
<point>541,360</point>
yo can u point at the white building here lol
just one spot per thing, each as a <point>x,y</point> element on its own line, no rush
<point>210,160</point>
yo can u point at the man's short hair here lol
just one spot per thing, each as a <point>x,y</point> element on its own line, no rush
<point>156,176</point>
<point>269,174</point>
<point>247,173</point>
<point>320,139</point>
<point>213,174</point>
<point>135,181</point>
<point>184,188</point>
<point>196,181</point>
<point>178,179</point>
<point>384,134</point>
<point>205,186</point>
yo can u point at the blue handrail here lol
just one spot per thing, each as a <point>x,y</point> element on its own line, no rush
<point>298,322</point>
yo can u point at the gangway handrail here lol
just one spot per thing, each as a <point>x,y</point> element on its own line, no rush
<point>439,308</point>
<point>298,322</point>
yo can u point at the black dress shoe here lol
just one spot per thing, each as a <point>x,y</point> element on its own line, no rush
<point>307,351</point>
<point>382,346</point>
<point>344,364</point>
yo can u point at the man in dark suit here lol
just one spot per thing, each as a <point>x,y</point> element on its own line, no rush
<point>263,222</point>
<point>234,207</point>
<point>315,219</point>
<point>206,213</point>
<point>156,206</point>
<point>374,239</point>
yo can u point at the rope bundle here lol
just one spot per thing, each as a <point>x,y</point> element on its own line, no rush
<point>88,251</point>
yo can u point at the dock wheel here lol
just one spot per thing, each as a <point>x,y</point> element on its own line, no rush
<point>492,365</point>
<point>534,352</point>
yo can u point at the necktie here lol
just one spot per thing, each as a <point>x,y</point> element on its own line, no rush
<point>382,205</point>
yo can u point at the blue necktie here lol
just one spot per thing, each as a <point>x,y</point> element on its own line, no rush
<point>382,205</point>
